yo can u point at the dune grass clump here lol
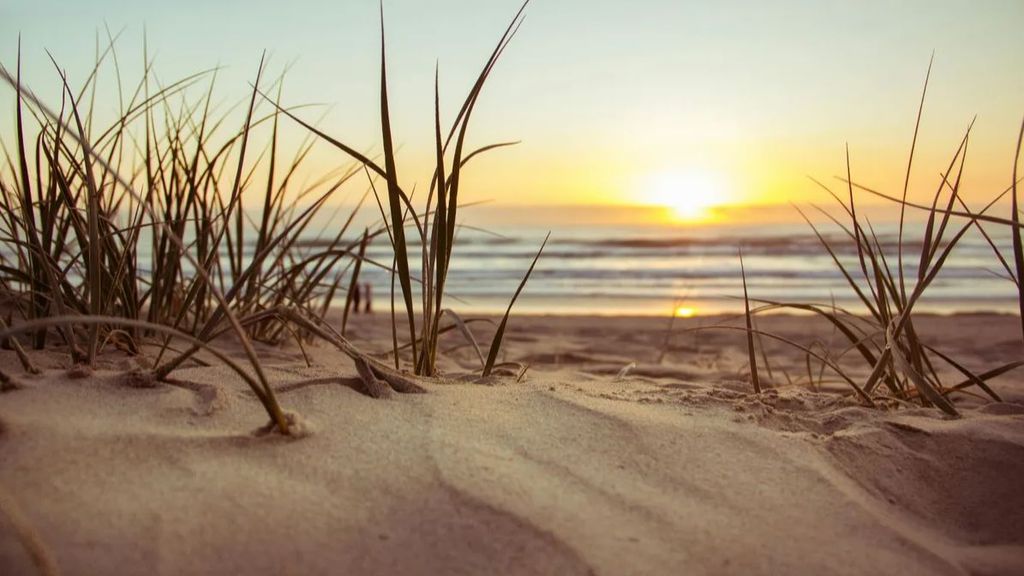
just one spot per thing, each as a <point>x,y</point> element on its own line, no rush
<point>903,365</point>
<point>135,233</point>
<point>142,232</point>
<point>434,229</point>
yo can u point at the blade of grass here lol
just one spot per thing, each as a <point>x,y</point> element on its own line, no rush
<point>394,195</point>
<point>751,356</point>
<point>354,284</point>
<point>492,354</point>
<point>906,181</point>
<point>1018,244</point>
<point>463,328</point>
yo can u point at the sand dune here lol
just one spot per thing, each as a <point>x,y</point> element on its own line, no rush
<point>674,468</point>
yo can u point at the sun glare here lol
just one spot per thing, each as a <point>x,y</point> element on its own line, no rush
<point>685,312</point>
<point>692,195</point>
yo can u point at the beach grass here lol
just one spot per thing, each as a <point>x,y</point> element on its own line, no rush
<point>903,365</point>
<point>435,227</point>
<point>73,233</point>
<point>143,233</point>
<point>169,178</point>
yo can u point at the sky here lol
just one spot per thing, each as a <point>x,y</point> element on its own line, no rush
<point>650,102</point>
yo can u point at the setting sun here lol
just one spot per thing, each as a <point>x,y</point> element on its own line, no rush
<point>685,312</point>
<point>692,195</point>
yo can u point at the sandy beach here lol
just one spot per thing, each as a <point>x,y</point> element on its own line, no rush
<point>412,288</point>
<point>670,467</point>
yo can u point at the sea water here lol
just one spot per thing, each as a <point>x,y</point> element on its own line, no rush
<point>638,270</point>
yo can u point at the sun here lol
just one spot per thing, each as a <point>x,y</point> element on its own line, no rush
<point>685,312</point>
<point>692,194</point>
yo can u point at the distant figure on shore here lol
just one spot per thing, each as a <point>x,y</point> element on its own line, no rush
<point>362,293</point>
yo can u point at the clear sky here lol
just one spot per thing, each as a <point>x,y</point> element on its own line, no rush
<point>639,102</point>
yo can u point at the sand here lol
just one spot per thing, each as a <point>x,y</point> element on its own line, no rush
<point>674,467</point>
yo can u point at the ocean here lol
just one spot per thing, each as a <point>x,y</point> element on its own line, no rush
<point>649,270</point>
<point>659,270</point>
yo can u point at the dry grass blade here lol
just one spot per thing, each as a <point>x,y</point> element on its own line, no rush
<point>920,382</point>
<point>985,376</point>
<point>1018,244</point>
<point>435,259</point>
<point>906,181</point>
<point>751,356</point>
<point>846,328</point>
<point>463,329</point>
<point>23,357</point>
<point>862,249</point>
<point>492,354</point>
<point>971,377</point>
<point>395,196</point>
<point>375,388</point>
<point>972,216</point>
<point>94,276</point>
<point>38,303</point>
<point>354,284</point>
